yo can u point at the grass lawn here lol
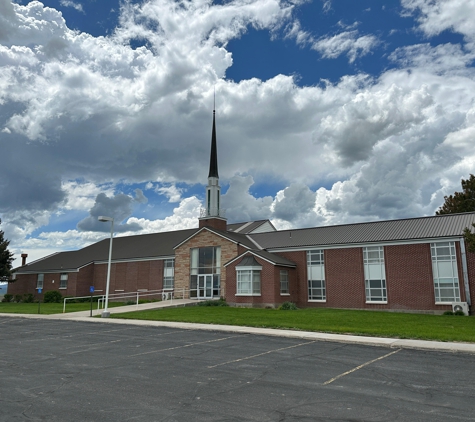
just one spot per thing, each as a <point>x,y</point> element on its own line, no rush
<point>368,323</point>
<point>48,308</point>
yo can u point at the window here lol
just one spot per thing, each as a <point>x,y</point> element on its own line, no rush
<point>168,274</point>
<point>248,282</point>
<point>40,281</point>
<point>316,276</point>
<point>63,281</point>
<point>375,275</point>
<point>444,269</point>
<point>284,282</point>
<point>205,260</point>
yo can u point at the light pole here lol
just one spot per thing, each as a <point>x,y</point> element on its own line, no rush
<point>105,312</point>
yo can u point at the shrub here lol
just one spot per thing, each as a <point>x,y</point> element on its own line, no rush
<point>7,298</point>
<point>219,302</point>
<point>28,298</point>
<point>448,313</point>
<point>53,296</point>
<point>18,298</point>
<point>460,313</point>
<point>288,306</point>
<point>130,302</point>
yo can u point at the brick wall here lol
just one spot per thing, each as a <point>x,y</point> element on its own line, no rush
<point>410,283</point>
<point>26,283</point>
<point>269,293</point>
<point>297,277</point>
<point>129,276</point>
<point>471,278</point>
<point>409,278</point>
<point>229,250</point>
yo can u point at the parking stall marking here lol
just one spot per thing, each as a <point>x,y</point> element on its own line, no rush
<point>359,367</point>
<point>184,346</point>
<point>261,354</point>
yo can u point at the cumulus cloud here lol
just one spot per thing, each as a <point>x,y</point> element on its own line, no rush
<point>171,192</point>
<point>292,201</point>
<point>80,114</point>
<point>119,207</point>
<point>241,205</point>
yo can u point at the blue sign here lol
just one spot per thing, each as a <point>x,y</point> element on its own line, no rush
<point>39,291</point>
<point>91,289</point>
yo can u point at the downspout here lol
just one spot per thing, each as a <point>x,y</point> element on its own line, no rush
<point>465,272</point>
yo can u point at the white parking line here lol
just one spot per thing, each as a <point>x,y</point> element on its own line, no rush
<point>261,354</point>
<point>182,347</point>
<point>359,367</point>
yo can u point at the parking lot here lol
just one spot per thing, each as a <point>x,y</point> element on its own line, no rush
<point>53,370</point>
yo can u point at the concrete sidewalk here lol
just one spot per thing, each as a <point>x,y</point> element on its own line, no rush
<point>83,316</point>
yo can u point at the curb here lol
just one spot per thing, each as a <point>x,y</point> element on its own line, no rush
<point>304,335</point>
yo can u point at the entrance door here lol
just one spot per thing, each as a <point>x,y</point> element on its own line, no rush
<point>205,286</point>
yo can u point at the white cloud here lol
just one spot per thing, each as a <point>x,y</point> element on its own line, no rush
<point>74,5</point>
<point>171,192</point>
<point>347,42</point>
<point>81,114</point>
<point>437,16</point>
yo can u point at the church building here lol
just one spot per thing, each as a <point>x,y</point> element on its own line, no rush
<point>413,265</point>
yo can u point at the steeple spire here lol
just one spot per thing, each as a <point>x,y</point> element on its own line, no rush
<point>213,161</point>
<point>212,215</point>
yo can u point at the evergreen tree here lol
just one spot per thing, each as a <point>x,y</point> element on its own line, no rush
<point>6,258</point>
<point>462,202</point>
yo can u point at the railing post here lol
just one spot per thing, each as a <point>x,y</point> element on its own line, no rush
<point>64,305</point>
<point>137,298</point>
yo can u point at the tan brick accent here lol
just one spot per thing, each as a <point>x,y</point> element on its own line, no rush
<point>229,250</point>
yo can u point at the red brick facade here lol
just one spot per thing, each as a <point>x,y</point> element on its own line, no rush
<point>408,268</point>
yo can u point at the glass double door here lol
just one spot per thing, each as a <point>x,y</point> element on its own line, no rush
<point>205,286</point>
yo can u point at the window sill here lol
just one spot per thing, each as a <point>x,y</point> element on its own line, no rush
<point>285,294</point>
<point>317,300</point>
<point>379,302</point>
<point>247,294</point>
<point>62,288</point>
<point>447,303</point>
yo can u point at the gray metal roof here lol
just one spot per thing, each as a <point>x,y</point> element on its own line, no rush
<point>247,227</point>
<point>268,256</point>
<point>274,258</point>
<point>127,247</point>
<point>248,261</point>
<point>236,237</point>
<point>448,225</point>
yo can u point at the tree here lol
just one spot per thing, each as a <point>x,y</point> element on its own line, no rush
<point>6,258</point>
<point>462,202</point>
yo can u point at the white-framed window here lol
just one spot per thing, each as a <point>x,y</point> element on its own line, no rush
<point>374,274</point>
<point>168,274</point>
<point>40,281</point>
<point>248,282</point>
<point>445,272</point>
<point>284,282</point>
<point>63,281</point>
<point>316,275</point>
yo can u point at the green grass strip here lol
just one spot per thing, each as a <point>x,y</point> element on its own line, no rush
<point>49,308</point>
<point>368,323</point>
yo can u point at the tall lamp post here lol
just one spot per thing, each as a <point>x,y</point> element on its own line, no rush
<point>105,312</point>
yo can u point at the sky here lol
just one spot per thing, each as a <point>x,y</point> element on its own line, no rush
<point>327,112</point>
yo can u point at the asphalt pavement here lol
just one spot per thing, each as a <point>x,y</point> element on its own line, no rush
<point>80,369</point>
